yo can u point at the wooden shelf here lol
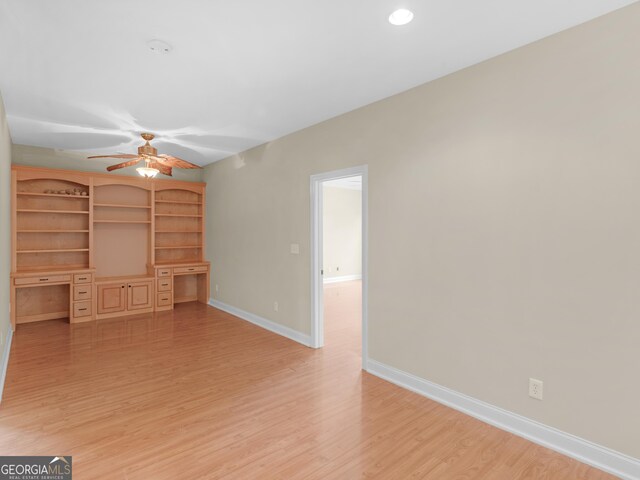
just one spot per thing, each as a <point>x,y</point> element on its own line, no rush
<point>66,234</point>
<point>177,202</point>
<point>52,231</point>
<point>58,195</point>
<point>51,269</point>
<point>122,221</point>
<point>182,261</point>
<point>80,212</point>
<point>117,205</point>
<point>123,278</point>
<point>54,250</point>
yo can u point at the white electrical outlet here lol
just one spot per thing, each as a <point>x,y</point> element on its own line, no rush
<point>275,306</point>
<point>295,248</point>
<point>217,288</point>
<point>535,388</point>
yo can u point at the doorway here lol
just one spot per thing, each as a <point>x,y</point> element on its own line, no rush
<point>339,273</point>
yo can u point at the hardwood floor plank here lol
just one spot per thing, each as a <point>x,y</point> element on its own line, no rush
<point>198,393</point>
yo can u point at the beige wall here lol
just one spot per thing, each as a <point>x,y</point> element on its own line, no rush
<point>71,160</point>
<point>342,232</point>
<point>504,236</point>
<point>5,230</point>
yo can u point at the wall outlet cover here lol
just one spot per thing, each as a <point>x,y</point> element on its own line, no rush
<point>536,388</point>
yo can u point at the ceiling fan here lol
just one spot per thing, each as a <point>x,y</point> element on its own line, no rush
<point>153,163</point>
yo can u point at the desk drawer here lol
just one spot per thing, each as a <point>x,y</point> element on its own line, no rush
<point>201,268</point>
<point>42,280</point>
<point>82,292</point>
<point>164,285</point>
<point>164,299</point>
<point>82,278</point>
<point>164,272</point>
<point>82,309</point>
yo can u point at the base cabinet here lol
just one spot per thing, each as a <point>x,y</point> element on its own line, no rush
<point>140,295</point>
<point>123,297</point>
<point>112,298</point>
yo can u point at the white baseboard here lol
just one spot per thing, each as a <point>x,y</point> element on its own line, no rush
<point>5,360</point>
<point>343,278</point>
<point>290,333</point>
<point>603,458</point>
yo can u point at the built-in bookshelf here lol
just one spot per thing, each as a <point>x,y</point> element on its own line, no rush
<point>89,246</point>
<point>115,225</point>
<point>178,220</point>
<point>51,224</point>
<point>122,228</point>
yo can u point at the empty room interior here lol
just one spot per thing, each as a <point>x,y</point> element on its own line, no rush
<point>320,240</point>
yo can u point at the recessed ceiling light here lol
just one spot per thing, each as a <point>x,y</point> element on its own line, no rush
<point>401,16</point>
<point>159,47</point>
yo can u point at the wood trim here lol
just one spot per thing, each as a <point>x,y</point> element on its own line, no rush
<point>14,222</point>
<point>42,316</point>
<point>126,313</point>
<point>195,187</point>
<point>152,231</point>
<point>38,173</point>
<point>203,234</point>
<point>91,219</point>
<point>33,173</point>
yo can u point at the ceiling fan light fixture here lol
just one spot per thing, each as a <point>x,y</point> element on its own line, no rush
<point>400,17</point>
<point>147,172</point>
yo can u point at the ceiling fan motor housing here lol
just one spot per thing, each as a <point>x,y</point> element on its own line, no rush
<point>147,149</point>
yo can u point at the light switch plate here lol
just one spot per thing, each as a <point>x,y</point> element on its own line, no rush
<point>295,248</point>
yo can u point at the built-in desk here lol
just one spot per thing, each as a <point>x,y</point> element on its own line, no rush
<point>80,296</point>
<point>50,294</point>
<point>181,282</point>
<point>72,232</point>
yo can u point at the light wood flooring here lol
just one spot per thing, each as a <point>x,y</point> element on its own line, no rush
<point>199,394</point>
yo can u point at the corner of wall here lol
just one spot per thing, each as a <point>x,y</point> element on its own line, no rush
<point>5,239</point>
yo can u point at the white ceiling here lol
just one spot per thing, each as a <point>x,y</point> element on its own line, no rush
<point>77,74</point>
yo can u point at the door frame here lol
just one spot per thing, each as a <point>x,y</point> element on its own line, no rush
<point>317,301</point>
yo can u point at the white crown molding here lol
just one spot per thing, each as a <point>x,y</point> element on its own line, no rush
<point>603,458</point>
<point>290,333</point>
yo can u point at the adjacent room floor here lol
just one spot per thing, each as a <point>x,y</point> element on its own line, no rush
<point>198,393</point>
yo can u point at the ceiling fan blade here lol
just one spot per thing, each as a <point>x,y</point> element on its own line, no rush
<point>176,162</point>
<point>115,155</point>
<point>123,164</point>
<point>163,169</point>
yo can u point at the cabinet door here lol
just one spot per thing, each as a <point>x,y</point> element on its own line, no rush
<point>112,298</point>
<point>140,295</point>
